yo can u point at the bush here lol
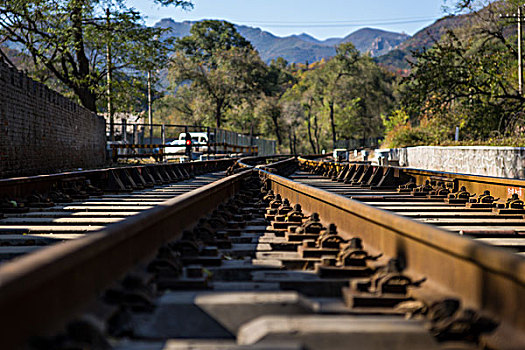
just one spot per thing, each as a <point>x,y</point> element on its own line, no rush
<point>400,133</point>
<point>406,136</point>
<point>439,132</point>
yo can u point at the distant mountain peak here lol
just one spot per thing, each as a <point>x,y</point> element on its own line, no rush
<point>376,42</point>
<point>397,60</point>
<point>307,38</point>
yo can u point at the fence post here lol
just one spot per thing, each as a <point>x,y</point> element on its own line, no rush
<point>124,130</point>
<point>135,134</point>
<point>209,137</point>
<point>163,137</point>
<point>216,141</point>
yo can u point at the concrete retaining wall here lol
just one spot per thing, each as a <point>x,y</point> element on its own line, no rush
<point>41,131</point>
<point>480,160</point>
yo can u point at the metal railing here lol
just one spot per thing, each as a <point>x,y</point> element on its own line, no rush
<point>371,142</point>
<point>219,141</point>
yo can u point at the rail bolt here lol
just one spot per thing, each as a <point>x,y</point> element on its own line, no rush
<point>514,202</point>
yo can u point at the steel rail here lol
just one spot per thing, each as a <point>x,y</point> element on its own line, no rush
<point>278,165</point>
<point>245,162</point>
<point>498,187</point>
<point>486,278</point>
<point>40,291</point>
<point>23,186</point>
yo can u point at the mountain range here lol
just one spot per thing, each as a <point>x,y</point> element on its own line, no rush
<point>391,50</point>
<point>303,47</point>
<point>398,58</point>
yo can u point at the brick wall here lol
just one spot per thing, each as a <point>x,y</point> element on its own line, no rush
<point>42,132</point>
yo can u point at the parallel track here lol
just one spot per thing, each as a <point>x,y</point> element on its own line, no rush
<point>25,232</point>
<point>482,224</point>
<point>214,269</point>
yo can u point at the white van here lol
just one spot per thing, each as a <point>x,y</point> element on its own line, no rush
<point>199,143</point>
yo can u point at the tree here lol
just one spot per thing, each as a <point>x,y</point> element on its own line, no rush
<point>306,94</point>
<point>219,65</point>
<point>373,96</point>
<point>275,84</point>
<point>468,80</point>
<point>350,91</point>
<point>343,65</point>
<point>69,40</point>
<point>269,110</point>
<point>209,37</point>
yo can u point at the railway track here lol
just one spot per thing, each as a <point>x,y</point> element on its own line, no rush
<point>260,261</point>
<point>435,198</point>
<point>68,206</point>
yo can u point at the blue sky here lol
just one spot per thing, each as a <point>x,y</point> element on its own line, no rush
<point>321,19</point>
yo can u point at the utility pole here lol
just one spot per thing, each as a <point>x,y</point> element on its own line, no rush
<point>150,114</point>
<point>108,78</point>
<point>519,18</point>
<point>520,54</point>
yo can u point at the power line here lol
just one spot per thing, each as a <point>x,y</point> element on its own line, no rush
<point>332,22</point>
<point>342,25</point>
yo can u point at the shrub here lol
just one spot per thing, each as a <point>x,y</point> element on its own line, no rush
<point>400,133</point>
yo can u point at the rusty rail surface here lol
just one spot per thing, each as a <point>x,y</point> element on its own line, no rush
<point>278,162</point>
<point>140,175</point>
<point>39,291</point>
<point>486,278</point>
<point>246,162</point>
<point>251,162</point>
<point>498,187</point>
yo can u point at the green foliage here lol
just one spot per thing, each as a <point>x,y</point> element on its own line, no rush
<point>408,137</point>
<point>468,80</point>
<point>354,92</point>
<point>218,70</point>
<point>235,74</point>
<point>339,99</point>
<point>217,78</point>
<point>400,133</point>
<point>67,41</point>
<point>183,3</point>
<point>397,118</point>
<point>228,81</point>
<point>208,39</point>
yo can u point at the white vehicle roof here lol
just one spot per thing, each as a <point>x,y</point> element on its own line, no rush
<point>193,134</point>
